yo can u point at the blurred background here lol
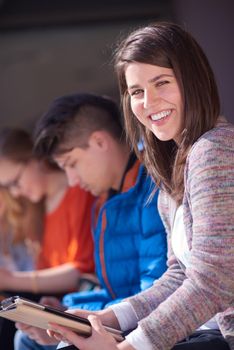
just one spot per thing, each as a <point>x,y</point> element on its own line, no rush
<point>50,48</point>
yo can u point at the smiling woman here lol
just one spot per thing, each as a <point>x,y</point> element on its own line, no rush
<point>155,99</point>
<point>171,102</point>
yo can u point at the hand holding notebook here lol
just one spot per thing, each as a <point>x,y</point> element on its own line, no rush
<point>38,315</point>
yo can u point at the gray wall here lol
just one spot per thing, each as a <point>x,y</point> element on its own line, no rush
<point>39,64</point>
<point>212,24</point>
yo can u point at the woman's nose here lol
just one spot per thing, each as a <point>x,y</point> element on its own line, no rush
<point>150,98</point>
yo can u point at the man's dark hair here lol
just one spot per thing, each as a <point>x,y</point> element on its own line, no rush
<point>71,119</point>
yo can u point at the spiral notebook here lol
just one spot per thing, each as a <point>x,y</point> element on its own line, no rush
<point>18,309</point>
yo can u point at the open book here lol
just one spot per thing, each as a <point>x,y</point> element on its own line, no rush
<point>22,310</point>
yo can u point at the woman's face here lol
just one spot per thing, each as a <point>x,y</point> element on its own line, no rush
<point>23,179</point>
<point>156,99</point>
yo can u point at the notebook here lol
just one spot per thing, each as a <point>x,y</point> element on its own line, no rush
<point>22,310</point>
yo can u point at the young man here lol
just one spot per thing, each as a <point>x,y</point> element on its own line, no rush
<point>84,136</point>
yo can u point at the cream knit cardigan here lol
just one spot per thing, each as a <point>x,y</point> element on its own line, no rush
<point>181,301</point>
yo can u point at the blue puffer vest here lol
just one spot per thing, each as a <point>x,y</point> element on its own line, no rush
<point>130,244</point>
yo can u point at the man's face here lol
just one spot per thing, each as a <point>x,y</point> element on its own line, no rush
<point>87,167</point>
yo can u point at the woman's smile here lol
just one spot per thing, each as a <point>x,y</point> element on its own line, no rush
<point>155,99</point>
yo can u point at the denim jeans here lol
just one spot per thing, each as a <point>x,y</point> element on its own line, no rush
<point>23,342</point>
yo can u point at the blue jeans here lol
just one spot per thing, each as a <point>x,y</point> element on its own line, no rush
<point>23,342</point>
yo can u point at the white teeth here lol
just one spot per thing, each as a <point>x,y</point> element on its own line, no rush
<point>160,115</point>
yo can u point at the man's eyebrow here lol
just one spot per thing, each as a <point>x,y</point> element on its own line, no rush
<point>153,80</point>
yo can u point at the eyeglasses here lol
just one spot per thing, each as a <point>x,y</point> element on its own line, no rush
<point>14,184</point>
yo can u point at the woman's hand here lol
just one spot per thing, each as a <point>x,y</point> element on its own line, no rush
<point>5,276</point>
<point>106,316</point>
<point>100,338</point>
<point>37,334</point>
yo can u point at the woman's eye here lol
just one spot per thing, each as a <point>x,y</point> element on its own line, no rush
<point>136,92</point>
<point>162,82</point>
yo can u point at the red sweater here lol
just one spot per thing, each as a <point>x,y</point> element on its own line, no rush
<point>67,235</point>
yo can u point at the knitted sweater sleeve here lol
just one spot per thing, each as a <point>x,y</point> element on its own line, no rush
<point>209,285</point>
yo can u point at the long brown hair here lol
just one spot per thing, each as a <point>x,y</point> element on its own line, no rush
<point>25,220</point>
<point>20,218</point>
<point>168,45</point>
<point>17,145</point>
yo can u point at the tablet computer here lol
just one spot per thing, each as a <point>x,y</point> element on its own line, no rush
<point>23,310</point>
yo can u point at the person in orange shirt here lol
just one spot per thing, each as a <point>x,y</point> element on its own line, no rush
<point>67,246</point>
<point>70,241</point>
<point>66,249</point>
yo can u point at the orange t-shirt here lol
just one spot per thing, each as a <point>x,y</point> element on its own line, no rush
<point>67,234</point>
